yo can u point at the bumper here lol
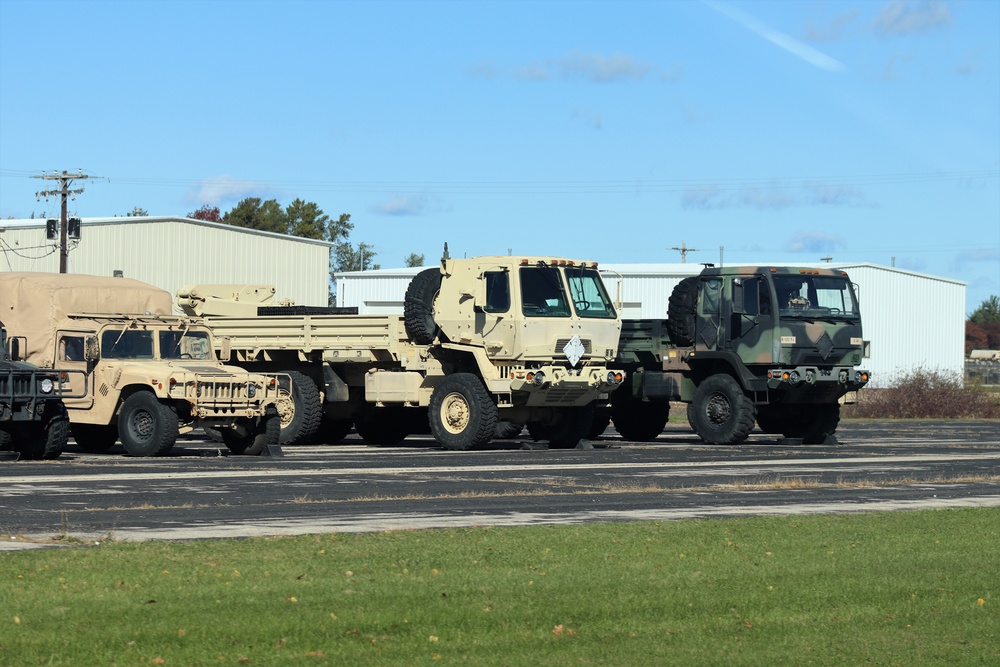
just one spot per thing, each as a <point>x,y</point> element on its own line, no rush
<point>559,386</point>
<point>840,379</point>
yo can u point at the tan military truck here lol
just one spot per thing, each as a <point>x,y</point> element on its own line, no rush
<point>145,376</point>
<point>482,341</point>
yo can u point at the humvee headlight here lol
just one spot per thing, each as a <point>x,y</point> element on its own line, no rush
<point>793,377</point>
<point>251,389</point>
<point>45,386</point>
<point>537,378</point>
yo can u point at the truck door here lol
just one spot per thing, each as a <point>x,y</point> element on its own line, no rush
<point>494,323</point>
<point>70,356</point>
<point>708,328</point>
<point>751,321</point>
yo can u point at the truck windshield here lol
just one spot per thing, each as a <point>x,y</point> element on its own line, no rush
<point>185,345</point>
<point>813,297</point>
<point>590,298</point>
<point>542,292</point>
<point>126,344</point>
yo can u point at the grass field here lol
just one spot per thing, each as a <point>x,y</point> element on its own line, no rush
<point>915,588</point>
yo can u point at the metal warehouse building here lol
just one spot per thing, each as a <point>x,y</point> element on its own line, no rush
<point>172,252</point>
<point>912,320</point>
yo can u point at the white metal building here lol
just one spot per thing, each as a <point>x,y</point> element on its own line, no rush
<point>172,252</point>
<point>912,320</point>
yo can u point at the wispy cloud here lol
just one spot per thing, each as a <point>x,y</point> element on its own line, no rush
<point>979,255</point>
<point>593,67</point>
<point>223,189</point>
<point>778,38</point>
<point>811,241</point>
<point>901,17</point>
<point>831,30</point>
<point>407,205</point>
<point>774,197</point>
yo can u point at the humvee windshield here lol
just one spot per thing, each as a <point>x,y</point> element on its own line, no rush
<point>590,298</point>
<point>139,344</point>
<point>813,297</point>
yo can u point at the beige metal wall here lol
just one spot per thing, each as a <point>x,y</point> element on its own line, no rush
<point>173,252</point>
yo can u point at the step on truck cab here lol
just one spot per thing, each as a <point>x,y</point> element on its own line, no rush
<point>485,346</point>
<point>779,346</point>
<point>140,374</point>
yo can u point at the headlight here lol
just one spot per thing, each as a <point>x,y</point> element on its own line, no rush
<point>614,378</point>
<point>794,377</point>
<point>251,389</point>
<point>46,386</point>
<point>537,378</point>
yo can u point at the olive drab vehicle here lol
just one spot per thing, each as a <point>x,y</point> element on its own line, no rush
<point>33,420</point>
<point>773,345</point>
<point>485,346</point>
<point>137,373</point>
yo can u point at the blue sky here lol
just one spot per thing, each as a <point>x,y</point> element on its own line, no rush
<point>781,131</point>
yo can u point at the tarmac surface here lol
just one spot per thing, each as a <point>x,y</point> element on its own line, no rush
<point>200,491</point>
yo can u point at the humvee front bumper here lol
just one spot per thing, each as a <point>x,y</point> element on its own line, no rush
<point>214,397</point>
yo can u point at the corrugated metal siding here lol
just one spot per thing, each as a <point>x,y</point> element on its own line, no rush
<point>912,320</point>
<point>173,252</point>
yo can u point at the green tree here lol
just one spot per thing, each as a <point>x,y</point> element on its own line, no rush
<point>252,213</point>
<point>137,212</point>
<point>988,311</point>
<point>414,260</point>
<point>348,257</point>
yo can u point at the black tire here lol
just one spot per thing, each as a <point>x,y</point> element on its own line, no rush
<point>722,413</point>
<point>260,433</point>
<point>46,439</point>
<point>681,310</point>
<point>571,425</point>
<point>771,418</point>
<point>813,423</point>
<point>214,434</point>
<point>383,426</point>
<point>300,410</point>
<point>690,416</point>
<point>506,430</point>
<point>418,306</point>
<point>332,431</point>
<point>147,427</point>
<point>640,421</point>
<point>602,419</point>
<point>462,413</point>
<point>94,438</point>
<point>6,440</point>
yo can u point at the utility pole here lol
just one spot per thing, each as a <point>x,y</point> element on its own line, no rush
<point>65,179</point>
<point>684,250</point>
<point>826,259</point>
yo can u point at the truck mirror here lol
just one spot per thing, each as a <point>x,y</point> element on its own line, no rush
<point>227,349</point>
<point>739,307</point>
<point>479,299</point>
<point>15,349</point>
<point>91,349</point>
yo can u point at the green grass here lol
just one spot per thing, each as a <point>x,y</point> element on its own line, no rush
<point>914,588</point>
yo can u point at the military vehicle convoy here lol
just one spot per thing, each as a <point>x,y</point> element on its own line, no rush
<point>136,373</point>
<point>33,420</point>
<point>779,346</point>
<point>483,341</point>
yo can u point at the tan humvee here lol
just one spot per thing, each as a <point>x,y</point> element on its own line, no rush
<point>484,344</point>
<point>146,376</point>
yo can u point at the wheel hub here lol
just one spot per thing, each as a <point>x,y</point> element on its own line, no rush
<point>718,410</point>
<point>455,413</point>
<point>143,425</point>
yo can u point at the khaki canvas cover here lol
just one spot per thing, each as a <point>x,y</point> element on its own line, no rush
<point>35,305</point>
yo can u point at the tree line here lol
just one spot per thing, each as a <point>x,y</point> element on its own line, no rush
<point>982,329</point>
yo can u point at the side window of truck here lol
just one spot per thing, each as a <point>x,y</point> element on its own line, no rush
<point>712,293</point>
<point>71,348</point>
<point>497,292</point>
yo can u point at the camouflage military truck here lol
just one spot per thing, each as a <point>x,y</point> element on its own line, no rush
<point>141,375</point>
<point>779,346</point>
<point>483,344</point>
<point>33,420</point>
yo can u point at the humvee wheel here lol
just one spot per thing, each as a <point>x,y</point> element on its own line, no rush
<point>462,413</point>
<point>253,435</point>
<point>640,421</point>
<point>146,426</point>
<point>94,438</point>
<point>722,414</point>
<point>46,440</point>
<point>300,409</point>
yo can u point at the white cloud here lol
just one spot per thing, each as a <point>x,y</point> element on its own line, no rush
<point>901,17</point>
<point>594,67</point>
<point>814,242</point>
<point>831,30</point>
<point>223,189</point>
<point>774,197</point>
<point>405,205</point>
<point>778,38</point>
